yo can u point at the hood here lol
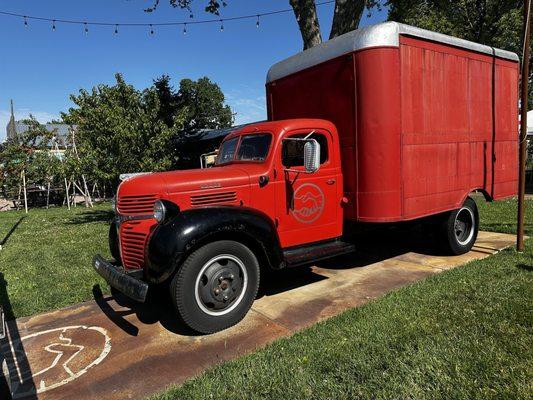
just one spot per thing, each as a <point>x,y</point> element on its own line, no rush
<point>203,179</point>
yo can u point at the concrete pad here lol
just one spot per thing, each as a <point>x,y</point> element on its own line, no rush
<point>110,348</point>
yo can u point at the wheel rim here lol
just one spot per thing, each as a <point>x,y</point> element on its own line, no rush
<point>221,284</point>
<point>464,226</point>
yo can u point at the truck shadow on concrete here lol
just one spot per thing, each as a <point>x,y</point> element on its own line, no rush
<point>372,245</point>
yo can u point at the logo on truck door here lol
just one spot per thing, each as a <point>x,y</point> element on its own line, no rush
<point>308,203</point>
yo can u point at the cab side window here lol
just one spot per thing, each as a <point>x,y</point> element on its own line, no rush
<point>292,151</point>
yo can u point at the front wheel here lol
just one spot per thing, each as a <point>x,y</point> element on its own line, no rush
<point>460,227</point>
<point>216,286</point>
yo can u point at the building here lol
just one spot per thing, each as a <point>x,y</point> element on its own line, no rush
<point>15,128</point>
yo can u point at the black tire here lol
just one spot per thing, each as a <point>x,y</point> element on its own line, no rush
<point>459,228</point>
<point>210,296</point>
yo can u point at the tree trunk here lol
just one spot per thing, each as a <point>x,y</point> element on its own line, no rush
<point>346,16</point>
<point>305,12</point>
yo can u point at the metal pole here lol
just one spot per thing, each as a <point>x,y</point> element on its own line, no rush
<point>523,130</point>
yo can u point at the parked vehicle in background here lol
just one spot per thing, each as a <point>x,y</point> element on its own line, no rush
<point>384,124</point>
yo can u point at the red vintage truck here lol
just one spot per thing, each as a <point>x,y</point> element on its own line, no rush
<point>383,124</point>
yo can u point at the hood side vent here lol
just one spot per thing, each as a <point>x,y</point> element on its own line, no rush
<point>214,198</point>
<point>136,205</point>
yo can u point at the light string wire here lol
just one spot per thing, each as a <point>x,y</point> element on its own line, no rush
<point>86,23</point>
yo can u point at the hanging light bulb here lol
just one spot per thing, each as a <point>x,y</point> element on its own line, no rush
<point>25,21</point>
<point>298,18</point>
<point>116,29</point>
<point>151,29</point>
<point>221,25</point>
<point>86,27</point>
<point>54,25</point>
<point>257,23</point>
<point>184,29</point>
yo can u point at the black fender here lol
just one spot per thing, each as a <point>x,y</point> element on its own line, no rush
<point>172,241</point>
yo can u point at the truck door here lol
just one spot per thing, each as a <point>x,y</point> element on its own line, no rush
<point>307,204</point>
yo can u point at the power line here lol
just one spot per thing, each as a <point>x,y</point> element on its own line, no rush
<point>184,24</point>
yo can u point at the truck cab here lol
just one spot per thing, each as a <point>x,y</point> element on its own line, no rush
<point>274,198</point>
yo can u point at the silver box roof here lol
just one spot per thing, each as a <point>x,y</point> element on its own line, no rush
<point>379,35</point>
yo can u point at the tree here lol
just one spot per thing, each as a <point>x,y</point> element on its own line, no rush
<point>120,130</point>
<point>200,103</point>
<point>497,23</point>
<point>346,17</point>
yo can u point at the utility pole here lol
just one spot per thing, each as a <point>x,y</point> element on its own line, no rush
<point>523,126</point>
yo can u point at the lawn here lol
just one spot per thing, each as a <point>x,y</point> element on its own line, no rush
<point>463,334</point>
<point>46,261</point>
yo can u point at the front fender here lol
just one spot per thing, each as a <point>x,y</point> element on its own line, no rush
<point>172,241</point>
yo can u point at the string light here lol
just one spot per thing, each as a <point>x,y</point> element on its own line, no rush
<point>221,21</point>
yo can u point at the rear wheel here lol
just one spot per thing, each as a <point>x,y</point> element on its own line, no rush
<point>460,228</point>
<point>216,286</point>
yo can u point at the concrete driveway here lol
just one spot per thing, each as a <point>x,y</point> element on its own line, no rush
<point>113,349</point>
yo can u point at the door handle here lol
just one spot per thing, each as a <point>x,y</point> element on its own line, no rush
<point>330,181</point>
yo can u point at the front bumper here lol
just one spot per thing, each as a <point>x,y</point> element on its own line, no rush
<point>117,277</point>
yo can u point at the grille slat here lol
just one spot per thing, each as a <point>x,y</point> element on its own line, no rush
<point>213,198</point>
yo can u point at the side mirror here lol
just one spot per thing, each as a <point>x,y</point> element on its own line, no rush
<point>311,156</point>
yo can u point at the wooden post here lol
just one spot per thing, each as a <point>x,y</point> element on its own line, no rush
<point>48,195</point>
<point>24,188</point>
<point>523,130</point>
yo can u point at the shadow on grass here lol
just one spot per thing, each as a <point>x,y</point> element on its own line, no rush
<point>10,232</point>
<point>88,217</point>
<point>525,267</point>
<point>12,351</point>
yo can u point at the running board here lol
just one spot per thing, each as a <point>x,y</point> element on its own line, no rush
<point>315,252</point>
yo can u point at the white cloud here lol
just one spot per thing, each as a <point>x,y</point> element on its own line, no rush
<point>22,113</point>
<point>247,105</point>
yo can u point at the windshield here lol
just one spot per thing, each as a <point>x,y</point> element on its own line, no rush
<point>251,148</point>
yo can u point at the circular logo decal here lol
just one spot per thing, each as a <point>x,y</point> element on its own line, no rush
<point>55,357</point>
<point>308,203</point>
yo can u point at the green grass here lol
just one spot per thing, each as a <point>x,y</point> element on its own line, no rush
<point>463,334</point>
<point>46,262</point>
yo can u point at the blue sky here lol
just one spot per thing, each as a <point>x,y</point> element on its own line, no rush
<point>40,68</point>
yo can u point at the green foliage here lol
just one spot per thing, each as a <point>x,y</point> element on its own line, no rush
<point>28,153</point>
<point>122,129</point>
<point>203,105</point>
<point>497,23</point>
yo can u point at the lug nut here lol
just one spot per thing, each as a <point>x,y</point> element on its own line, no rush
<point>225,298</point>
<point>232,276</point>
<point>217,291</point>
<point>220,278</point>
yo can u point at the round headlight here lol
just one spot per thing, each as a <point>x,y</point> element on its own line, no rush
<point>159,211</point>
